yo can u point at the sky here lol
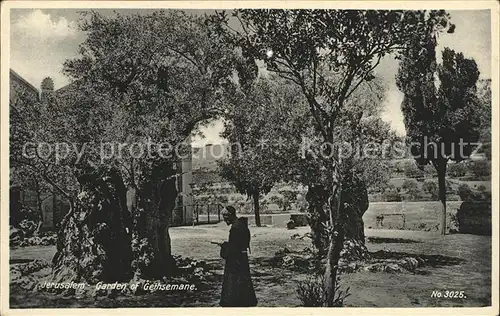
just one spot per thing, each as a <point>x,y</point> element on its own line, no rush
<point>42,39</point>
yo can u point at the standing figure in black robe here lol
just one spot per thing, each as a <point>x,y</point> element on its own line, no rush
<point>237,287</point>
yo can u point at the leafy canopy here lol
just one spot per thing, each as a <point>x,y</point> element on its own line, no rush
<point>327,53</point>
<point>440,104</point>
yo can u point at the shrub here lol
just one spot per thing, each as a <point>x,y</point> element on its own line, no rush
<point>391,194</point>
<point>454,224</point>
<point>449,186</point>
<point>289,197</point>
<point>376,197</point>
<point>278,201</point>
<point>312,294</point>
<point>457,170</point>
<point>464,191</point>
<point>25,218</point>
<point>430,170</point>
<point>430,187</point>
<point>412,189</point>
<point>481,168</point>
<point>482,188</point>
<point>413,171</point>
<point>263,206</point>
<point>399,166</point>
<point>301,203</point>
<point>467,194</point>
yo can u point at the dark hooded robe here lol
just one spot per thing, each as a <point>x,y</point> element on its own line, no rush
<point>237,287</point>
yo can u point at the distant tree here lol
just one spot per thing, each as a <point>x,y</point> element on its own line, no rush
<point>412,170</point>
<point>32,123</point>
<point>429,170</point>
<point>412,188</point>
<point>289,197</point>
<point>441,117</point>
<point>29,179</point>
<point>457,170</point>
<point>254,125</point>
<point>47,84</point>
<point>47,87</point>
<point>391,194</point>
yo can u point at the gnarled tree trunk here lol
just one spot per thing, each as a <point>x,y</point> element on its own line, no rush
<point>317,197</point>
<point>349,205</point>
<point>256,208</point>
<point>440,166</point>
<point>156,201</point>
<point>94,237</point>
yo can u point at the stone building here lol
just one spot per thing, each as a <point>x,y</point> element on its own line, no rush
<point>18,84</point>
<point>183,213</point>
<point>49,202</point>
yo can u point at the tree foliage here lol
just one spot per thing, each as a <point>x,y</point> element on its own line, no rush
<point>264,127</point>
<point>430,187</point>
<point>47,84</point>
<point>445,114</point>
<point>139,79</point>
<point>457,170</point>
<point>484,109</point>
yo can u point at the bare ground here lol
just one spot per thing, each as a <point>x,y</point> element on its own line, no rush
<point>455,263</point>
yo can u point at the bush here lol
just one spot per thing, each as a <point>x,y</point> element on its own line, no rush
<point>430,170</point>
<point>222,199</point>
<point>482,188</point>
<point>412,189</point>
<point>400,166</point>
<point>289,197</point>
<point>467,194</point>
<point>457,170</point>
<point>430,187</point>
<point>301,203</point>
<point>312,294</point>
<point>25,218</point>
<point>278,201</point>
<point>454,224</point>
<point>481,168</point>
<point>20,212</point>
<point>464,191</point>
<point>413,171</point>
<point>449,186</point>
<point>391,194</point>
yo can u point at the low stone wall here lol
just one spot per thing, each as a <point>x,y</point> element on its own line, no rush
<point>279,220</point>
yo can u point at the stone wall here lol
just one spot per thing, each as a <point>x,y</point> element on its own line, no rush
<point>278,220</point>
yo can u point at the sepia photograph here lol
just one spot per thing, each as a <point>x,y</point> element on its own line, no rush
<point>307,155</point>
